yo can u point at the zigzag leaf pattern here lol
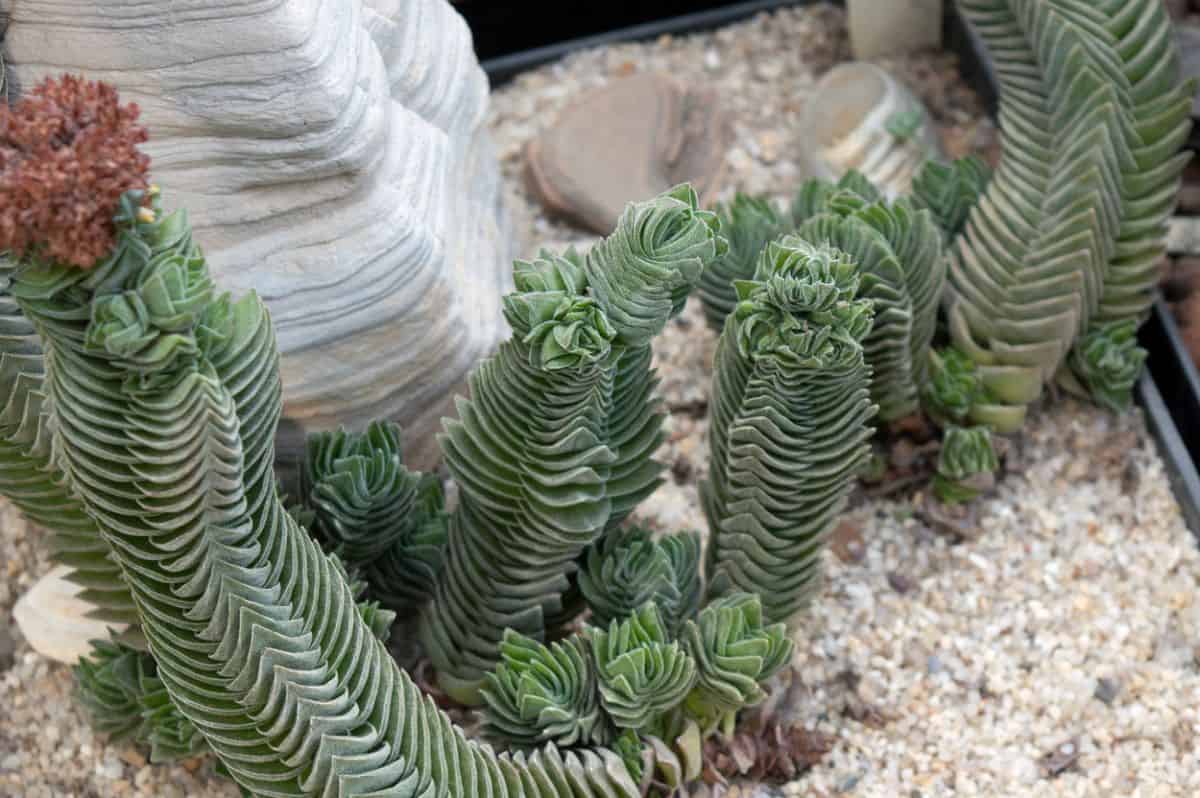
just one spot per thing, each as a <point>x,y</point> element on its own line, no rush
<point>154,424</point>
<point>1091,120</point>
<point>789,423</point>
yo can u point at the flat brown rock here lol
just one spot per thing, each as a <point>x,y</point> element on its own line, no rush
<point>625,142</point>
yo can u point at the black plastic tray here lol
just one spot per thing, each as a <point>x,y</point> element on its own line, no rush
<point>503,68</point>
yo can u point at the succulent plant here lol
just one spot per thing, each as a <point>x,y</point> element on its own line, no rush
<point>539,486</point>
<point>642,274</point>
<point>950,190</point>
<point>124,698</point>
<point>643,674</point>
<point>254,630</point>
<point>898,253</point>
<point>748,222</point>
<point>966,465</point>
<point>385,522</point>
<point>544,694</point>
<point>735,654</point>
<point>953,387</point>
<point>1106,364</point>
<point>26,473</point>
<point>629,568</point>
<point>1067,233</point>
<point>789,423</point>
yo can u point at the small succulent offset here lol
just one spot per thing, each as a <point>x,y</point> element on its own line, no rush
<point>966,465</point>
<point>791,387</point>
<point>898,254</point>
<point>951,190</point>
<point>545,694</point>
<point>903,125</point>
<point>385,522</point>
<point>629,568</point>
<point>120,689</point>
<point>735,654</point>
<point>1106,363</point>
<point>633,686</point>
<point>643,674</point>
<point>748,222</point>
<point>953,387</point>
<point>536,488</point>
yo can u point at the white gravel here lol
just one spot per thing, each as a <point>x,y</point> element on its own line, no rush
<point>1080,585</point>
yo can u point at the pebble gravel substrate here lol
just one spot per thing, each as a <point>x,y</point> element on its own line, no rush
<point>1056,652</point>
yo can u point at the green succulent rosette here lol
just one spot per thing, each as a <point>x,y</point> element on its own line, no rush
<point>544,694</point>
<point>1106,364</point>
<point>966,465</point>
<point>630,568</point>
<point>736,652</point>
<point>951,190</point>
<point>119,688</point>
<point>386,522</point>
<point>643,675</point>
<point>898,253</point>
<point>953,388</point>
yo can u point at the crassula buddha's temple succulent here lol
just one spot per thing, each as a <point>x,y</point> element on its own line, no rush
<point>1067,234</point>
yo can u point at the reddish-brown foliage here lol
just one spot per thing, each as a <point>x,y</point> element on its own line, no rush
<point>67,153</point>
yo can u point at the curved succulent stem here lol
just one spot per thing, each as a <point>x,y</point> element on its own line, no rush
<point>898,252</point>
<point>161,419</point>
<point>789,422</point>
<point>540,485</point>
<point>1067,231</point>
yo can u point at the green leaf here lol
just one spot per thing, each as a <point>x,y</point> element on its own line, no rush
<point>966,465</point>
<point>544,694</point>
<point>643,675</point>
<point>735,654</point>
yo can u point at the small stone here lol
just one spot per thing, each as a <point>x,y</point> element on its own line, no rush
<point>133,757</point>
<point>769,145</point>
<point>1063,757</point>
<point>8,647</point>
<point>769,69</point>
<point>712,60</point>
<point>899,582</point>
<point>847,542</point>
<point>1107,690</point>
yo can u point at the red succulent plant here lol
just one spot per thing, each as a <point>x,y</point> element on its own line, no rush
<point>68,151</point>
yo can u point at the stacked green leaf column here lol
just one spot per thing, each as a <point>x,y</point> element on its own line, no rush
<point>26,476</point>
<point>549,452</point>
<point>748,222</point>
<point>1064,237</point>
<point>898,252</point>
<point>790,423</point>
<point>161,404</point>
